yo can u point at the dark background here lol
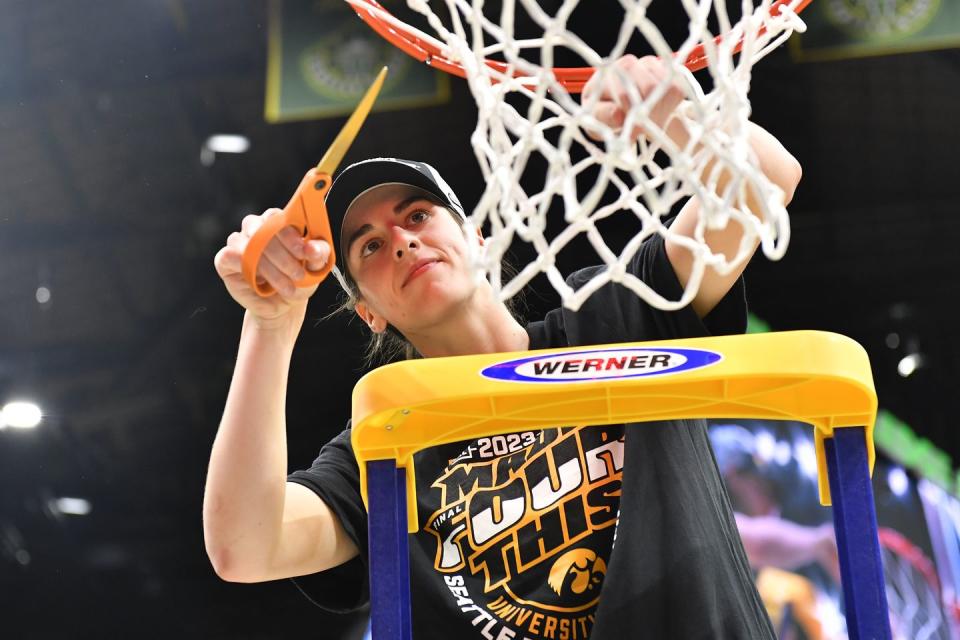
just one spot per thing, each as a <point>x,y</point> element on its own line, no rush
<point>104,106</point>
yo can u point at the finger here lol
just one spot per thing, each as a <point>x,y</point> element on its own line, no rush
<point>650,77</point>
<point>630,73</point>
<point>230,257</point>
<point>292,239</point>
<point>317,254</point>
<point>653,65</point>
<point>614,90</point>
<point>250,224</point>
<point>609,114</point>
<point>238,241</point>
<point>652,73</point>
<point>622,83</point>
<point>276,279</point>
<point>227,261</point>
<point>601,81</point>
<point>604,84</point>
<point>280,257</point>
<point>643,79</point>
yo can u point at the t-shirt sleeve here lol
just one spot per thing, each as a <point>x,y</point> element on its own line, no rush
<point>615,314</point>
<point>335,478</point>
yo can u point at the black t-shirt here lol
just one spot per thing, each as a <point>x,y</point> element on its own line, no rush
<point>517,532</point>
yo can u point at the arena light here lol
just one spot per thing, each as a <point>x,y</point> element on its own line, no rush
<point>898,481</point>
<point>765,445</point>
<point>72,506</point>
<point>908,364</point>
<point>227,143</point>
<point>783,453</point>
<point>806,456</point>
<point>20,415</point>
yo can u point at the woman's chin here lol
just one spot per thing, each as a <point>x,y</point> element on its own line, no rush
<point>435,301</point>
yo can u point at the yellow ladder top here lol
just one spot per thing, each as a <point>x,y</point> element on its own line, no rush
<point>820,378</point>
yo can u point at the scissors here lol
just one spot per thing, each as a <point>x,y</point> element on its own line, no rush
<point>306,210</point>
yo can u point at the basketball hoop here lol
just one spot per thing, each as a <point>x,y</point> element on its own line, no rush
<point>650,177</point>
<point>433,52</point>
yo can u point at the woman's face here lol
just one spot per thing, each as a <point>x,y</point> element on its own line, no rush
<point>408,256</point>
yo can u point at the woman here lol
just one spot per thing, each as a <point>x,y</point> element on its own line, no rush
<point>677,570</point>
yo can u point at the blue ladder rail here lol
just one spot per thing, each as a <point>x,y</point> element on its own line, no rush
<point>855,525</point>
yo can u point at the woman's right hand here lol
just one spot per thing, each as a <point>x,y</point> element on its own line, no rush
<point>280,266</point>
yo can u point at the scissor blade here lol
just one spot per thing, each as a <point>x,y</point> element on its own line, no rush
<point>333,156</point>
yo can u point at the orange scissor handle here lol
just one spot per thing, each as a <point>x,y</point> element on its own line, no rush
<point>307,213</point>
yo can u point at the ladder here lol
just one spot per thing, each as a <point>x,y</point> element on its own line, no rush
<point>816,377</point>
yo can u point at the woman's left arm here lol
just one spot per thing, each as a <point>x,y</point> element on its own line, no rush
<point>783,170</point>
<point>774,161</point>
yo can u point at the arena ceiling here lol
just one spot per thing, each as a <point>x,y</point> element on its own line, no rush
<point>104,107</point>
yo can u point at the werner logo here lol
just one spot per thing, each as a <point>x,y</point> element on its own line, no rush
<point>599,364</point>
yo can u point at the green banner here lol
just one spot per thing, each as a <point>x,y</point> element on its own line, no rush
<point>856,28</point>
<point>897,440</point>
<point>322,57</point>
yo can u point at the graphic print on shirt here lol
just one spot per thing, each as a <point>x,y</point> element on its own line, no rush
<point>524,528</point>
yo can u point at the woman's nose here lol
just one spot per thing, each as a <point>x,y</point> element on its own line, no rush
<point>403,242</point>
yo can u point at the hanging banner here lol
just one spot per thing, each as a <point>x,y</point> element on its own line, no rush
<point>857,28</point>
<point>322,57</point>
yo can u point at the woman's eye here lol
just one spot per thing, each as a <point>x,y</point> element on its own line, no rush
<point>418,216</point>
<point>369,247</point>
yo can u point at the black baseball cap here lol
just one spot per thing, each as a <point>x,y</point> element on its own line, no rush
<point>361,177</point>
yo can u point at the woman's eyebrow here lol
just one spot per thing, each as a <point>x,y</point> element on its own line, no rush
<point>356,235</point>
<point>406,202</point>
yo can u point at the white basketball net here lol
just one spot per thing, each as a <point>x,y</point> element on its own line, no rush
<point>650,177</point>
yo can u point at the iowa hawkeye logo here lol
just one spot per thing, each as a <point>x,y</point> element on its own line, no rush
<point>577,571</point>
<point>522,536</point>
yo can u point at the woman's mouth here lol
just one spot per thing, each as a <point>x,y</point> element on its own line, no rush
<point>419,268</point>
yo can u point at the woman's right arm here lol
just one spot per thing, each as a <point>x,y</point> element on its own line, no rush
<point>256,525</point>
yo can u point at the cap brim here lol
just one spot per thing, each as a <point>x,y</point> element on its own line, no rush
<point>362,177</point>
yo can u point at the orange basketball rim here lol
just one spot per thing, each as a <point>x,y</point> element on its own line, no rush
<point>429,51</point>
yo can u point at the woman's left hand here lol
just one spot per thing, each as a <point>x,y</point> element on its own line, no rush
<point>613,97</point>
